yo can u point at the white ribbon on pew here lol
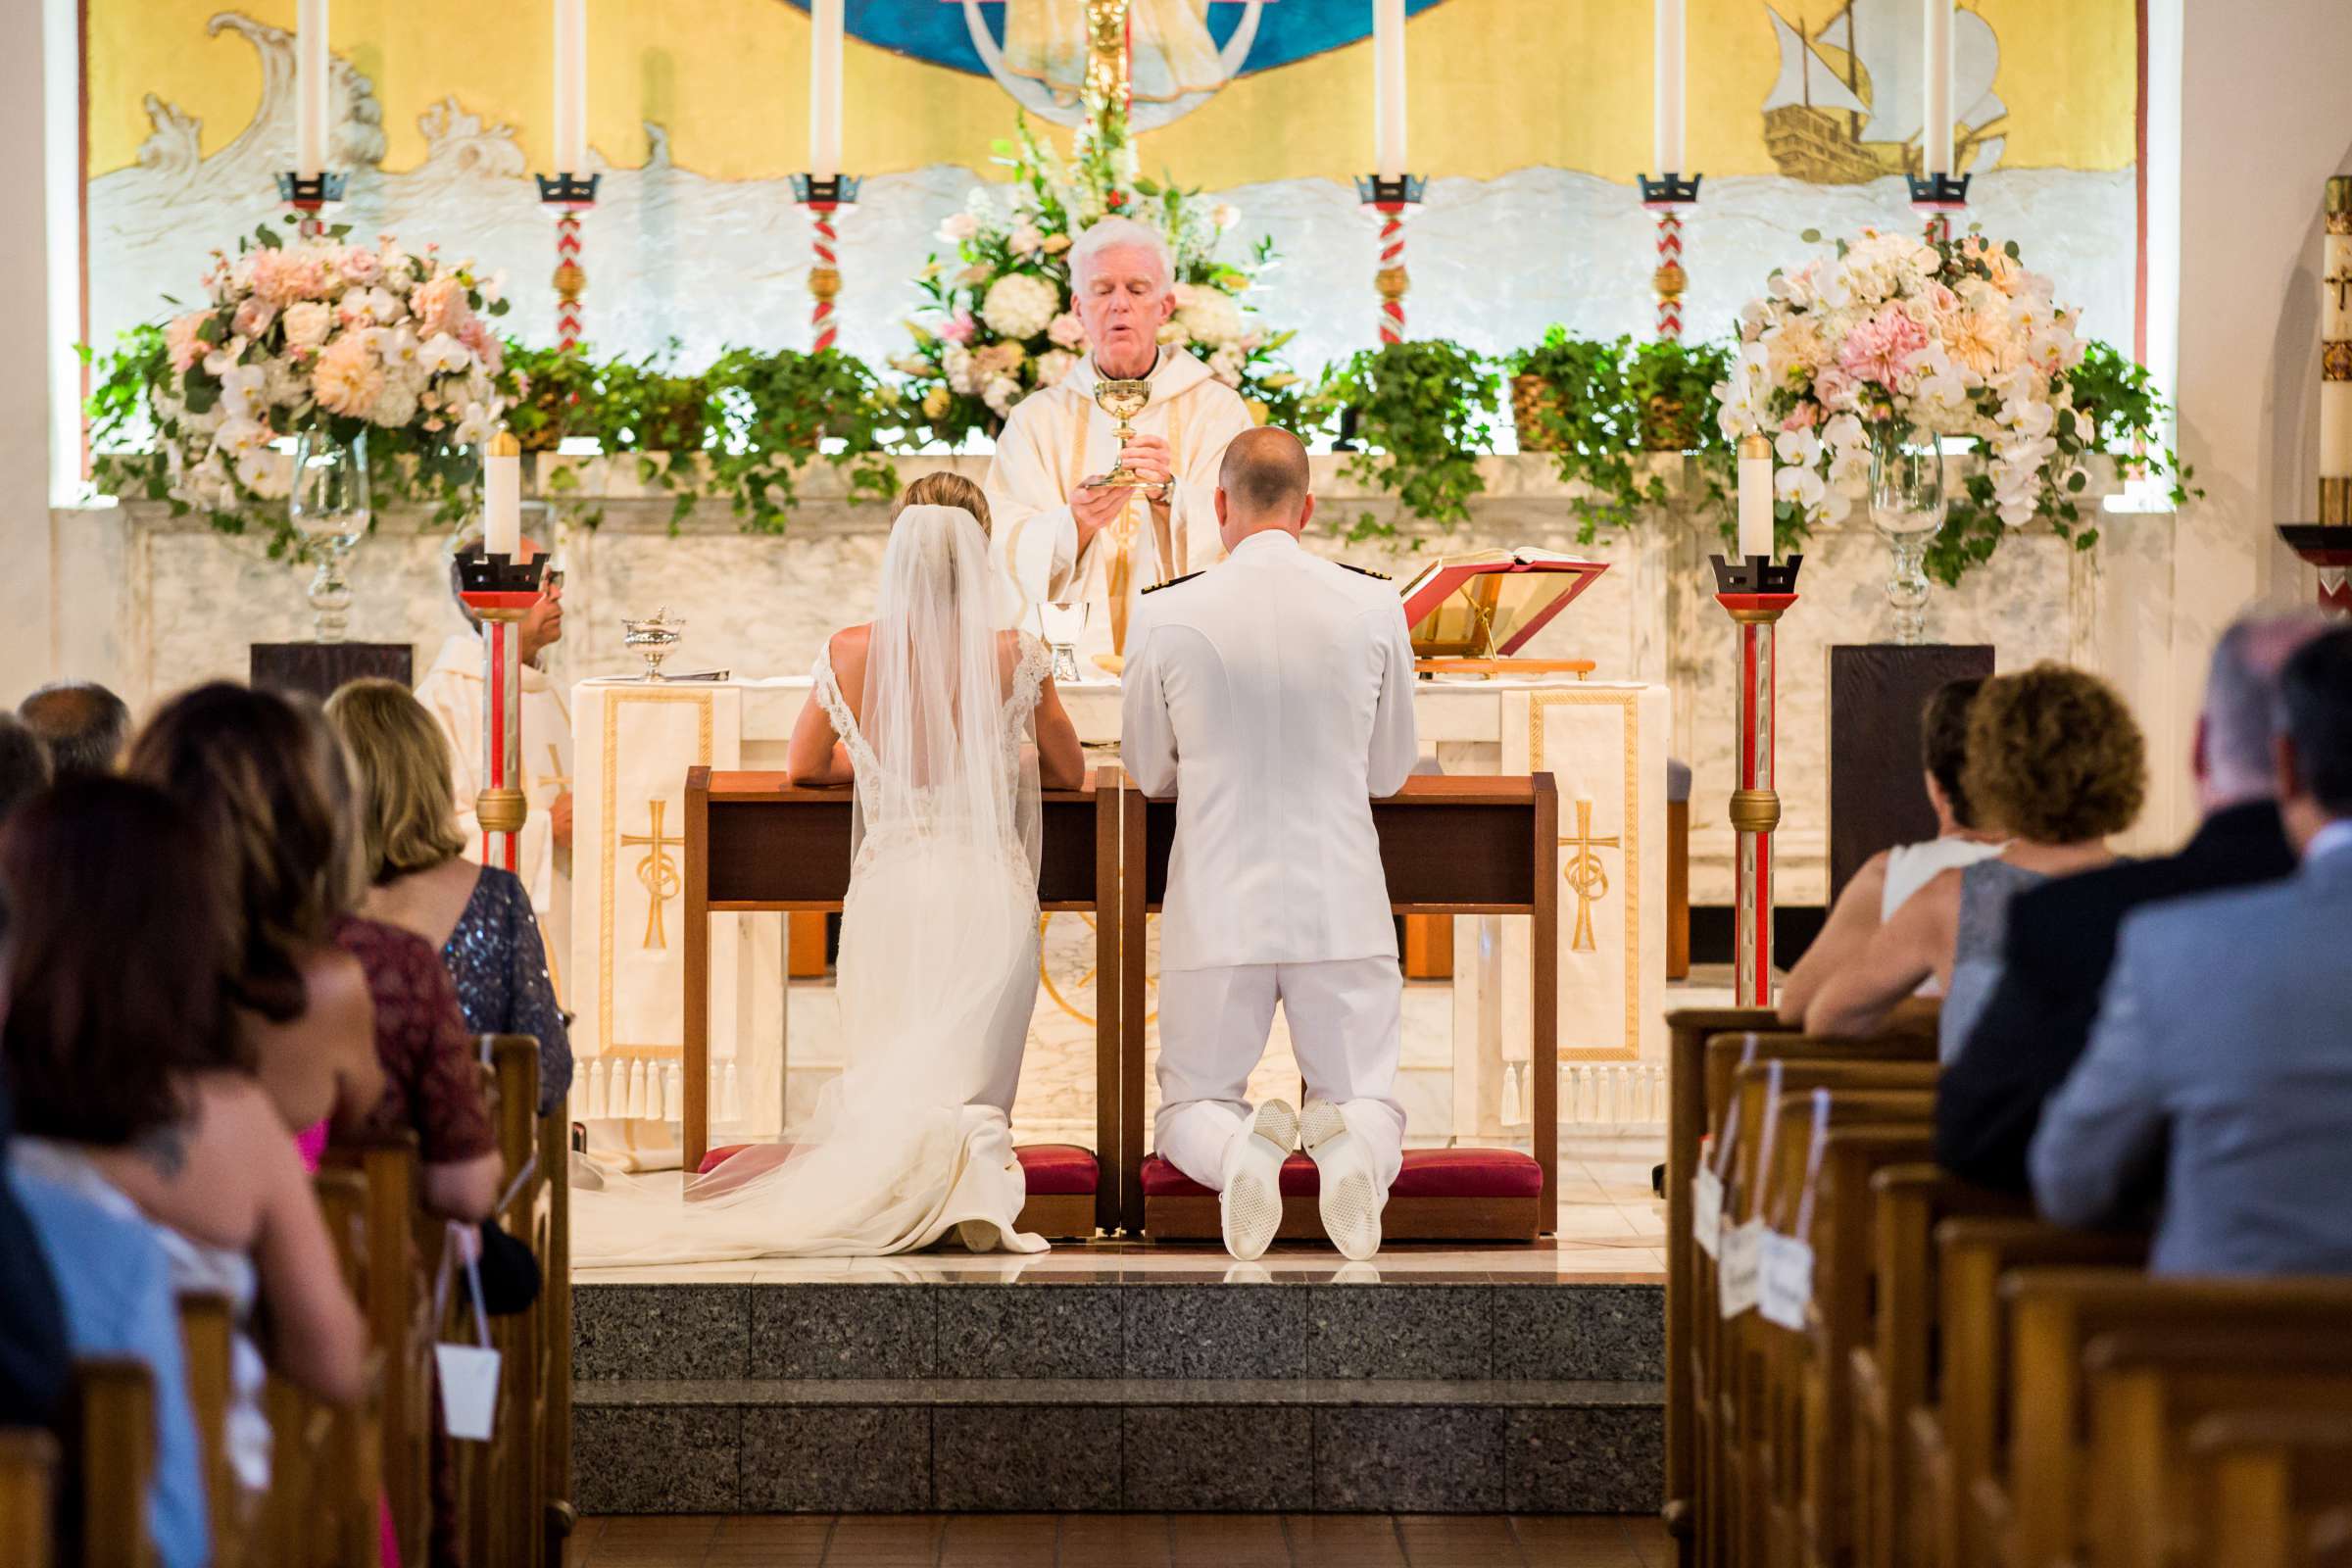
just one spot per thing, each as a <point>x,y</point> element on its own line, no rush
<point>1706,1187</point>
<point>1743,1243</point>
<point>1785,1272</point>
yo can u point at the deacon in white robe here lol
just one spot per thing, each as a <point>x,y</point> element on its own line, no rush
<point>453,691</point>
<point>1057,538</point>
<point>1272,695</point>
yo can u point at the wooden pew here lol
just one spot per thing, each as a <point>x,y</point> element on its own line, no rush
<point>1752,1369</point>
<point>2148,1388</point>
<point>110,1421</point>
<point>1688,1031</point>
<point>554,1335</point>
<point>208,1335</point>
<point>1892,1371</point>
<point>2264,1480</point>
<point>1723,1370</point>
<point>28,1478</point>
<point>2030,1514</point>
<point>396,1300</point>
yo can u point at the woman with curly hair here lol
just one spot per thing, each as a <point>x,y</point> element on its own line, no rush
<point>2056,761</point>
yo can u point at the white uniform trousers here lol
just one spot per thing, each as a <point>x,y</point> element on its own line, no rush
<point>1344,1029</point>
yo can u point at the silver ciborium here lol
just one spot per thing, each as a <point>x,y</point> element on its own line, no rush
<point>653,637</point>
<point>1123,401</point>
<point>1061,627</point>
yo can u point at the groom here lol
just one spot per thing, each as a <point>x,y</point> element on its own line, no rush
<point>1272,695</point>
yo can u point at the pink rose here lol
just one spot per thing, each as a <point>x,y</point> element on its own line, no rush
<point>440,305</point>
<point>362,266</point>
<point>253,318</point>
<point>475,334</point>
<point>960,329</point>
<point>181,341</point>
<point>1802,417</point>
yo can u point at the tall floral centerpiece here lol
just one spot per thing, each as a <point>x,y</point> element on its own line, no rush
<point>997,322</point>
<point>1859,363</point>
<point>351,354</point>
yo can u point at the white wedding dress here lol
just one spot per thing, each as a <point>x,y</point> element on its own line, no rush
<point>938,965</point>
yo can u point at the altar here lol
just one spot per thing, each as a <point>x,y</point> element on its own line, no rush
<point>775,1041</point>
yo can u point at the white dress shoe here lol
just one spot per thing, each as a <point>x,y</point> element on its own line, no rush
<point>1249,1208</point>
<point>1351,1200</point>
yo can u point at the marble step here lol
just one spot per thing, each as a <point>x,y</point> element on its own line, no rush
<point>1136,1444</point>
<point>1481,1333</point>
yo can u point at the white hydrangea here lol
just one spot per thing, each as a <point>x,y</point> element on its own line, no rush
<point>1211,317</point>
<point>956,361</point>
<point>1226,364</point>
<point>1019,305</point>
<point>1053,366</point>
<point>1001,394</point>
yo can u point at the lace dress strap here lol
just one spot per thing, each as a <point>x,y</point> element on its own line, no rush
<point>1029,673</point>
<point>828,692</point>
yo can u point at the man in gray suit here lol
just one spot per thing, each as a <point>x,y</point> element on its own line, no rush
<point>2223,1047</point>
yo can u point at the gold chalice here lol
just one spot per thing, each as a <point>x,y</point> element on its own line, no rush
<point>1123,401</point>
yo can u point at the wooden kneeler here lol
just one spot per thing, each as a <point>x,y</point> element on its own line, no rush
<point>1449,844</point>
<point>757,842</point>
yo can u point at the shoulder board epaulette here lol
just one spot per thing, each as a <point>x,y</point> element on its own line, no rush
<point>1366,571</point>
<point>1171,582</point>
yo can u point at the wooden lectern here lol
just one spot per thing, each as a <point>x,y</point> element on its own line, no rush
<point>1460,845</point>
<point>755,842</point>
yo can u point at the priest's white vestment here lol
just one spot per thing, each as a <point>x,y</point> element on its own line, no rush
<point>1056,440</point>
<point>1273,697</point>
<point>452,690</point>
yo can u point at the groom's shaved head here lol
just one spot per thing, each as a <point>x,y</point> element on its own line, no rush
<point>1264,474</point>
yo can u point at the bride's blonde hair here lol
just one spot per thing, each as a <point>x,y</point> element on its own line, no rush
<point>942,488</point>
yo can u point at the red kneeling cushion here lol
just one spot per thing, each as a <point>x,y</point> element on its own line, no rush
<point>1053,1170</point>
<point>1426,1173</point>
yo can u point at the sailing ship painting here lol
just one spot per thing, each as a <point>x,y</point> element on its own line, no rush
<point>1847,105</point>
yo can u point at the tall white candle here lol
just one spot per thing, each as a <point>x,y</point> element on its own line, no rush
<point>571,86</point>
<point>502,495</point>
<point>825,87</point>
<point>1935,99</point>
<point>311,86</point>
<point>2337,334</point>
<point>1755,495</point>
<point>1666,101</point>
<point>1387,87</point>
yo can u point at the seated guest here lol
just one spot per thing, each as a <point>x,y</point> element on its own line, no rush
<point>23,764</point>
<point>33,1325</point>
<point>1888,878</point>
<point>84,868</point>
<point>93,1057</point>
<point>272,804</point>
<point>273,775</point>
<point>2222,1052</point>
<point>2061,937</point>
<point>83,725</point>
<point>479,917</point>
<point>2054,761</point>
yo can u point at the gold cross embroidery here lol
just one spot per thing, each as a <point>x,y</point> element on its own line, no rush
<point>1586,877</point>
<point>658,872</point>
<point>2341,282</point>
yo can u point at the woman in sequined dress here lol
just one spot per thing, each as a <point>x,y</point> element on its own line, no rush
<point>479,918</point>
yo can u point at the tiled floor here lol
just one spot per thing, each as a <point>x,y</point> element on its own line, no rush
<point>1119,1541</point>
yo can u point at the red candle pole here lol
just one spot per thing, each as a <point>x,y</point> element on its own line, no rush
<point>824,198</point>
<point>307,195</point>
<point>1391,199</point>
<point>1665,198</point>
<point>1936,197</point>
<point>501,591</point>
<point>1755,593</point>
<point>570,195</point>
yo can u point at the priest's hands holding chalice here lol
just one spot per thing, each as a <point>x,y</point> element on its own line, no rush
<point>1097,505</point>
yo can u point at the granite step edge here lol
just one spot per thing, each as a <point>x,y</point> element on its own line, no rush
<point>1138,1392</point>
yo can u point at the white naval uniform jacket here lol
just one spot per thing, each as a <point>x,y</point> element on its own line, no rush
<point>1272,695</point>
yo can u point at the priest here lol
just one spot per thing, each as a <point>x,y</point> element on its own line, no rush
<point>1058,535</point>
<point>452,691</point>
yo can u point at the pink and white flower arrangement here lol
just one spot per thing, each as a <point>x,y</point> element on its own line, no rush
<point>1006,285</point>
<point>319,335</point>
<point>1894,337</point>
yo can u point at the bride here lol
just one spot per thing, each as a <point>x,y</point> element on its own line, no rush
<point>945,727</point>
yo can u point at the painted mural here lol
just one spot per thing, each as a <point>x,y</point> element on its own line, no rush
<point>1529,117</point>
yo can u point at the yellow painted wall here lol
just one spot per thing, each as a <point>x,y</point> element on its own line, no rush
<point>1496,85</point>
